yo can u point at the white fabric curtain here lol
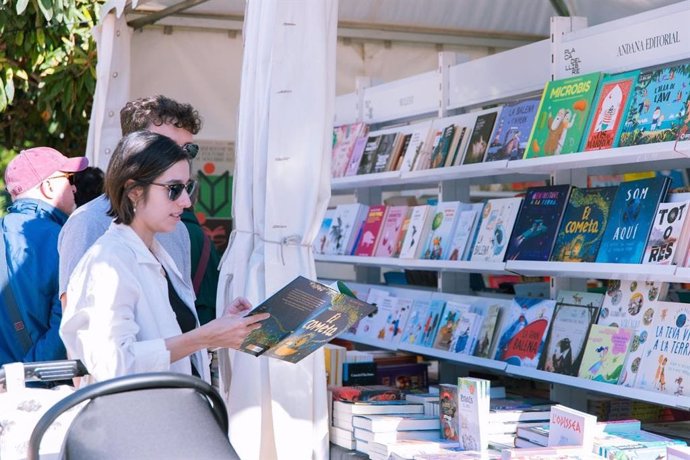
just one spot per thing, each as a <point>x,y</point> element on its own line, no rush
<point>282,188</point>
<point>113,40</point>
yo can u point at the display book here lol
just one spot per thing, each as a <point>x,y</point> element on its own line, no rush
<point>305,315</point>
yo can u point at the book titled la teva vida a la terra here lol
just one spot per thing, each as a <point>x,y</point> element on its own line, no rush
<point>305,314</point>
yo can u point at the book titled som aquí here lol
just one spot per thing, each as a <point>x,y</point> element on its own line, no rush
<point>305,315</point>
<point>630,220</point>
<point>563,113</point>
<point>583,224</point>
<point>537,223</point>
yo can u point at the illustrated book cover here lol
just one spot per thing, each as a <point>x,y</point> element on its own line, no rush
<point>443,223</point>
<point>370,231</point>
<point>480,137</point>
<point>512,130</point>
<point>658,106</point>
<point>356,155</point>
<point>415,326</point>
<point>305,315</point>
<point>583,224</point>
<point>523,331</point>
<point>495,228</point>
<point>322,237</point>
<point>605,353</point>
<point>630,220</point>
<point>467,222</point>
<point>417,230</point>
<point>538,222</point>
<point>344,141</point>
<point>432,321</point>
<point>448,411</point>
<point>664,239</point>
<point>473,409</point>
<point>384,153</point>
<point>491,311</point>
<point>391,231</point>
<point>610,106</point>
<point>628,302</point>
<point>418,132</point>
<point>344,229</point>
<point>565,342</point>
<point>450,321</point>
<point>442,149</point>
<point>368,160</point>
<point>562,116</point>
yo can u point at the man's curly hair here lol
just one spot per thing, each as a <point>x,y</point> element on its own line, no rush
<point>158,110</point>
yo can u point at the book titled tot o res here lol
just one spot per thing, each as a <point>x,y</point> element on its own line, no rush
<point>305,315</point>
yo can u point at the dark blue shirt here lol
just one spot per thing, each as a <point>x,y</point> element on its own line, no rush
<point>30,233</point>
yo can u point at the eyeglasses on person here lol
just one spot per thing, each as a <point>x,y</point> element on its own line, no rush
<point>191,149</point>
<point>175,190</point>
<point>68,175</point>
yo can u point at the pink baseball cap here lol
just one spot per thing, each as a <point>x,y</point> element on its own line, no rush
<point>33,166</point>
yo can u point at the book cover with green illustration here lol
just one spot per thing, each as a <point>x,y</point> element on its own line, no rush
<point>562,117</point>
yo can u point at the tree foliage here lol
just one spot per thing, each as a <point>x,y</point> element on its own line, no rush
<point>47,74</point>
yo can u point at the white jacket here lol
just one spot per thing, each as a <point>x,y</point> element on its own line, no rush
<point>118,313</point>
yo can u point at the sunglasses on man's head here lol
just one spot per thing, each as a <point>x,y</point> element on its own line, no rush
<point>191,149</point>
<point>175,190</point>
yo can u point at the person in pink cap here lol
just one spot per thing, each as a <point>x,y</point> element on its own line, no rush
<point>39,182</point>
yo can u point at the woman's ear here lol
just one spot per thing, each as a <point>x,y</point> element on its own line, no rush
<point>136,192</point>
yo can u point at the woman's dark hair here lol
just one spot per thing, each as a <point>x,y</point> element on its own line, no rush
<point>89,184</point>
<point>138,159</point>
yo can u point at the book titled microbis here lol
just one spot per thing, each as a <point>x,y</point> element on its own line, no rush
<point>305,315</point>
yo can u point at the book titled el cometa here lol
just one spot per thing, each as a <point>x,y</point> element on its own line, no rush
<point>305,315</point>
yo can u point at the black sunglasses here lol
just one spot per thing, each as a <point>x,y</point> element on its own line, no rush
<point>191,149</point>
<point>175,190</point>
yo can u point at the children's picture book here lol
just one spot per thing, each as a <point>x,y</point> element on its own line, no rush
<point>628,302</point>
<point>432,321</point>
<point>583,298</point>
<point>495,228</point>
<point>664,238</point>
<point>448,326</point>
<point>658,106</point>
<point>414,329</point>
<point>322,237</point>
<point>630,220</point>
<point>305,315</point>
<point>538,222</point>
<point>562,116</point>
<point>397,320</point>
<point>448,411</point>
<point>467,222</point>
<point>344,141</point>
<point>443,223</point>
<point>464,335</point>
<point>442,149</point>
<point>391,231</point>
<point>480,137</point>
<point>511,133</point>
<point>356,155</point>
<point>370,231</point>
<point>473,410</point>
<point>491,311</point>
<point>664,366</point>
<point>565,343</point>
<point>611,103</point>
<point>570,427</point>
<point>523,332</point>
<point>344,229</point>
<point>420,222</point>
<point>605,353</point>
<point>583,224</point>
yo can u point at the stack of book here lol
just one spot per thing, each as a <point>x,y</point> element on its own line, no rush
<point>391,428</point>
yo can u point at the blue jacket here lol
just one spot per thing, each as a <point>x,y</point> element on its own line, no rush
<point>30,233</point>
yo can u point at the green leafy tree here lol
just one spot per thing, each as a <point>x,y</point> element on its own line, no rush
<point>47,75</point>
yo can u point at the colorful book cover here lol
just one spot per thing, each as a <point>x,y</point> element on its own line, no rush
<point>605,353</point>
<point>630,220</point>
<point>397,320</point>
<point>440,153</point>
<point>611,104</point>
<point>297,328</point>
<point>344,138</point>
<point>463,337</point>
<point>583,298</point>
<point>367,326</point>
<point>570,427</point>
<point>562,117</point>
<point>480,137</point>
<point>443,222</point>
<point>658,106</point>
<point>491,311</point>
<point>322,237</point>
<point>627,302</point>
<point>583,224</point>
<point>448,411</point>
<point>432,321</point>
<point>473,409</point>
<point>419,133</point>
<point>418,228</point>
<point>450,321</point>
<point>495,228</point>
<point>384,153</point>
<point>463,230</point>
<point>356,156</point>
<point>347,220</point>
<point>509,139</point>
<point>368,160</point>
<point>403,232</point>
<point>523,332</point>
<point>635,354</point>
<point>390,231</point>
<point>665,235</point>
<point>664,366</point>
<point>565,343</point>
<point>414,329</point>
<point>370,231</point>
<point>537,223</point>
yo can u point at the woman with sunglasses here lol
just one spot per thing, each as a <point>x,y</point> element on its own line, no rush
<point>128,308</point>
